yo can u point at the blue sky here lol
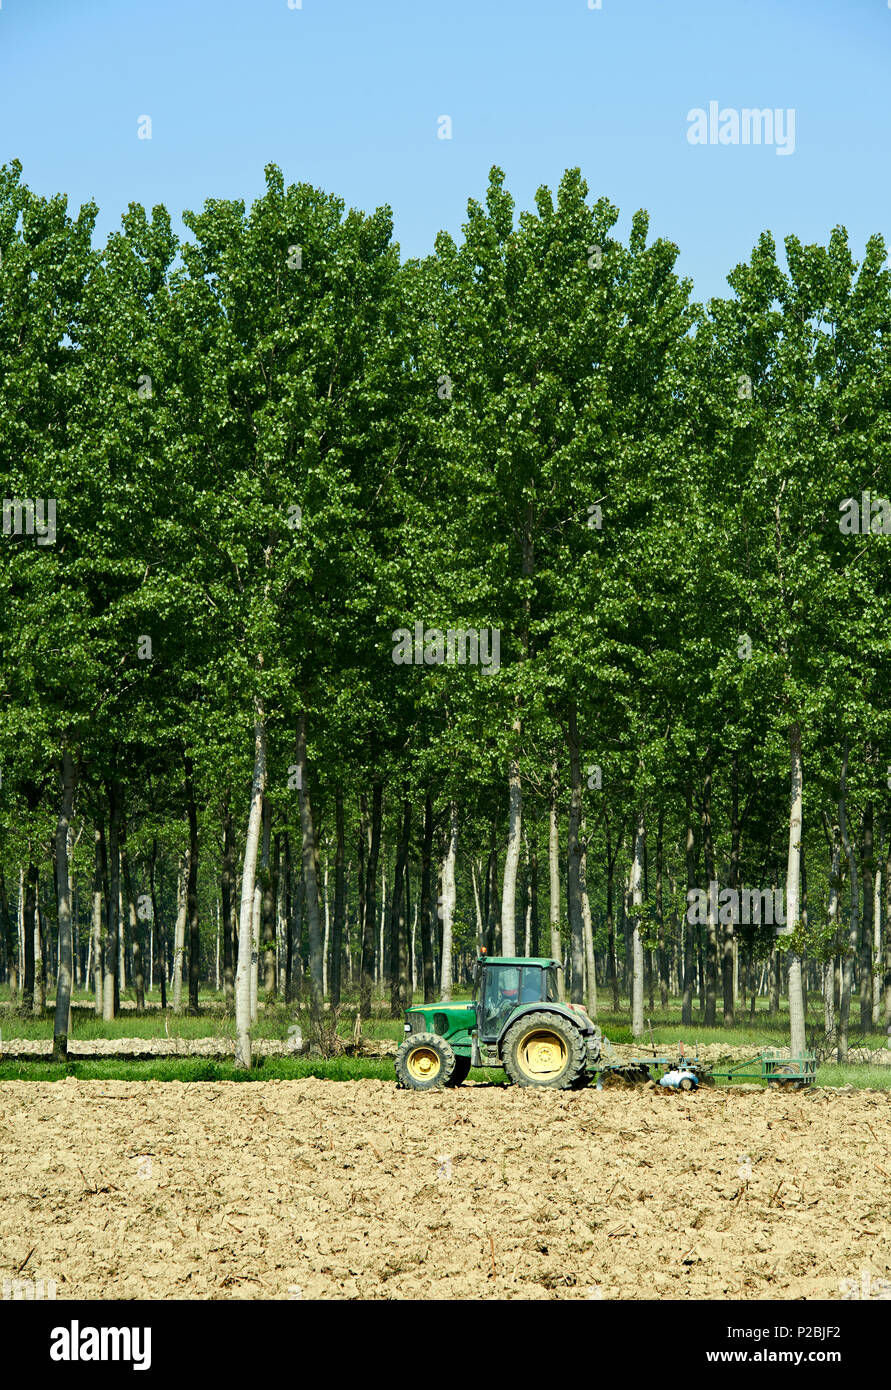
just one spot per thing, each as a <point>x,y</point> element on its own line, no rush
<point>346,94</point>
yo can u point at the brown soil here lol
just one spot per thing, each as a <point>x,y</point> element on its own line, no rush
<point>319,1189</point>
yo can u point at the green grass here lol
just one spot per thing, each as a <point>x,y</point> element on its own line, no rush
<point>199,1069</point>
<point>338,1069</point>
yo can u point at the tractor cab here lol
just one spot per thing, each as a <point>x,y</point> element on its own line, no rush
<point>501,986</point>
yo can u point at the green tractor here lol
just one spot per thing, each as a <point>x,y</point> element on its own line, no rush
<point>515,1021</point>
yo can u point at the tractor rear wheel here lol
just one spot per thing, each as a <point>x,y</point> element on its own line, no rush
<point>544,1049</point>
<point>424,1062</point>
<point>461,1072</point>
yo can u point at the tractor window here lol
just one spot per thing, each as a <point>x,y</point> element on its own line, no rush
<point>552,986</point>
<point>505,988</point>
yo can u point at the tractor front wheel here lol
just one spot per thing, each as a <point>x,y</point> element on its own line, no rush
<point>545,1049</point>
<point>424,1062</point>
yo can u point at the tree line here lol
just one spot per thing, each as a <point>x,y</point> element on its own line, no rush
<point>380,609</point>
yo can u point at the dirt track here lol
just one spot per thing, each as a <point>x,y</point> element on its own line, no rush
<point>320,1189</point>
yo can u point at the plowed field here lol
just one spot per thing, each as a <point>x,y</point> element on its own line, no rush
<point>316,1189</point>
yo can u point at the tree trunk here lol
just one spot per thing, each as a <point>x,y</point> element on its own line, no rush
<point>257,905</point>
<point>793,881</point>
<point>448,904</point>
<point>28,921</point>
<point>660,914</point>
<point>847,981</point>
<point>63,895</point>
<point>138,973</point>
<point>637,977</point>
<point>590,964</point>
<point>492,907</point>
<point>834,838</point>
<point>289,920</point>
<point>867,862</point>
<point>160,929</point>
<point>727,933</point>
<point>192,890</point>
<point>179,932</point>
<point>610,922</point>
<point>533,892</point>
<point>877,930</point>
<point>554,871</point>
<point>339,901</point>
<point>427,918</point>
<point>711,940</point>
<point>573,868</point>
<point>8,936</point>
<point>512,859</point>
<point>39,956</point>
<point>248,881</point>
<point>887,967</point>
<point>267,907</point>
<point>311,878</point>
<point>227,894</point>
<point>399,948</point>
<point>98,877</point>
<point>110,989</point>
<point>366,968</point>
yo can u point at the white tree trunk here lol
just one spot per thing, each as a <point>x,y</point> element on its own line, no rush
<point>39,992</point>
<point>96,939</point>
<point>554,876</point>
<point>122,970</point>
<point>590,965</point>
<point>475,875</point>
<point>511,862</point>
<point>832,923</point>
<point>179,934</point>
<point>21,921</point>
<point>256,912</point>
<point>327,937</point>
<point>448,904</point>
<point>637,954</point>
<point>62,1022</point>
<point>248,881</point>
<point>793,881</point>
<point>877,935</point>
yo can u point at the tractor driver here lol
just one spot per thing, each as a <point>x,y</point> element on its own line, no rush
<point>503,999</point>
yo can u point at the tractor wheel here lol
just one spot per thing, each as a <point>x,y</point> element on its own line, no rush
<point>544,1050</point>
<point>461,1072</point>
<point>424,1062</point>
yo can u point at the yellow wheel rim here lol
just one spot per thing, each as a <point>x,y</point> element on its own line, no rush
<point>542,1054</point>
<point>423,1063</point>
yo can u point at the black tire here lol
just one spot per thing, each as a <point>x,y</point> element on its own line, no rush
<point>461,1072</point>
<point>558,1042</point>
<point>424,1062</point>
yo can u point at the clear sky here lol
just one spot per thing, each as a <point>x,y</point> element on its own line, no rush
<point>346,94</point>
